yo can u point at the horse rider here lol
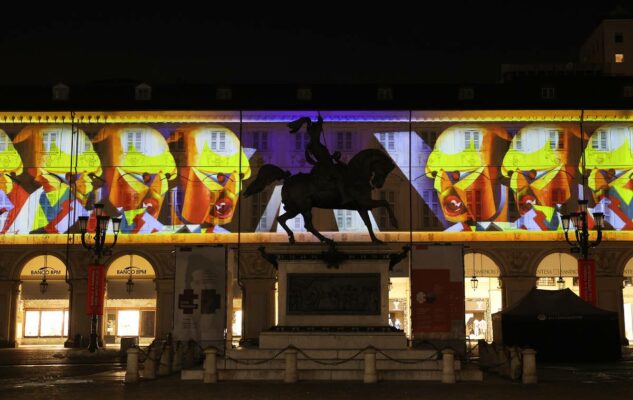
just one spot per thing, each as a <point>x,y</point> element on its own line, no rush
<point>317,154</point>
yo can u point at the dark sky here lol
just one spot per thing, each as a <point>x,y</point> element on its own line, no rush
<point>456,42</point>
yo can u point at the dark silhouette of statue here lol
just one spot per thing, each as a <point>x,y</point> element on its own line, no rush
<point>330,184</point>
<point>326,166</point>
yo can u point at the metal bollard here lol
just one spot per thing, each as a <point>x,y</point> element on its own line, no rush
<point>529,366</point>
<point>448,366</point>
<point>131,368</point>
<point>149,366</point>
<point>176,364</point>
<point>370,376</point>
<point>210,366</point>
<point>165,361</point>
<point>291,366</point>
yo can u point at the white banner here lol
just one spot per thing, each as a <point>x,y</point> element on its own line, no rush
<point>200,309</point>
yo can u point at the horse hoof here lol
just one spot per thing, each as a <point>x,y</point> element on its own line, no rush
<point>377,241</point>
<point>291,240</point>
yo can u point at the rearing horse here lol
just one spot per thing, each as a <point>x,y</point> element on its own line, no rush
<point>367,170</point>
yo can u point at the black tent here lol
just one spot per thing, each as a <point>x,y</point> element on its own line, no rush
<point>560,326</point>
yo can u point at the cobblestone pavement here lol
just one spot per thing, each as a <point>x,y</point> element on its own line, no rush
<point>104,380</point>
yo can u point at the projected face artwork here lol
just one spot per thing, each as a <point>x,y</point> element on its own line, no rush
<point>166,175</point>
<point>609,163</point>
<point>12,195</point>
<point>137,169</point>
<point>47,151</point>
<point>464,166</point>
<point>541,165</point>
<point>210,175</point>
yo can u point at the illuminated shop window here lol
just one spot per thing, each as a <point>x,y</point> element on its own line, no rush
<point>619,58</point>
<point>134,140</point>
<point>260,140</point>
<point>344,141</point>
<point>128,323</point>
<point>48,140</point>
<point>387,140</point>
<point>556,141</point>
<point>600,140</point>
<point>45,323</point>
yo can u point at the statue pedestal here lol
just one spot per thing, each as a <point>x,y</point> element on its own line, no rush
<point>325,307</point>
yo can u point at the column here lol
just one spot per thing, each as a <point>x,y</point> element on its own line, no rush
<point>79,320</point>
<point>9,291</point>
<point>609,297</point>
<point>257,278</point>
<point>164,306</point>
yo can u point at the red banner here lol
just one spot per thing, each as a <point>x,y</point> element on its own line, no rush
<point>587,280</point>
<point>96,289</point>
<point>436,301</point>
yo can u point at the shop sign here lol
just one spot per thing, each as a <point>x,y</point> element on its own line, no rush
<point>587,280</point>
<point>131,270</point>
<point>48,271</point>
<point>96,289</point>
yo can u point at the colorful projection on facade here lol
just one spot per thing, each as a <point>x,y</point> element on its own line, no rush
<point>169,175</point>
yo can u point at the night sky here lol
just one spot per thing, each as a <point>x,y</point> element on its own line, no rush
<point>462,41</point>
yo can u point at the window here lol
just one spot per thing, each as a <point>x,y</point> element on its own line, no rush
<point>517,143</point>
<point>216,140</point>
<point>384,93</point>
<point>429,137</point>
<point>619,58</point>
<point>4,143</point>
<point>548,92</point>
<point>390,197</point>
<point>387,140</point>
<point>473,200</point>
<point>260,140</point>
<point>128,322</point>
<point>556,141</point>
<point>46,323</point>
<point>148,319</point>
<point>618,37</point>
<point>430,213</point>
<point>599,140</point>
<point>48,140</point>
<point>84,144</point>
<point>301,141</point>
<point>472,138</point>
<point>344,141</point>
<point>466,93</point>
<point>344,220</point>
<point>546,281</point>
<point>259,217</point>
<point>134,140</point>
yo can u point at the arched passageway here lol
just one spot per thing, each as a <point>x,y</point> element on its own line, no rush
<point>482,295</point>
<point>130,303</point>
<point>43,302</point>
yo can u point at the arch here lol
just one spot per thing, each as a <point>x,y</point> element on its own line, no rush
<point>554,266</point>
<point>43,302</point>
<point>483,300</point>
<point>130,299</point>
<point>628,268</point>
<point>484,265</point>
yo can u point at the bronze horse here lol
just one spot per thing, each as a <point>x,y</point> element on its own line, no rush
<point>367,170</point>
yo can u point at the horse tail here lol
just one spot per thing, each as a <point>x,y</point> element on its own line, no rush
<point>267,174</point>
<point>298,123</point>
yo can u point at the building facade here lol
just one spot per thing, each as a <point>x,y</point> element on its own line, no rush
<point>493,182</point>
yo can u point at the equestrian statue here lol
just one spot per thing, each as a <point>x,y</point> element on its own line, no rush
<point>331,184</point>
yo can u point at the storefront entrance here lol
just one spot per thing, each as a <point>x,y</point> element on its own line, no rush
<point>130,305</point>
<point>482,294</point>
<point>42,317</point>
<point>558,271</point>
<point>627,296</point>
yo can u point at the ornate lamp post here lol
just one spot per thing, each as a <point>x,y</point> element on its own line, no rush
<point>581,242</point>
<point>96,244</point>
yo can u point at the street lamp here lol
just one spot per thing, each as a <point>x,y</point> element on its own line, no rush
<point>581,243</point>
<point>96,244</point>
